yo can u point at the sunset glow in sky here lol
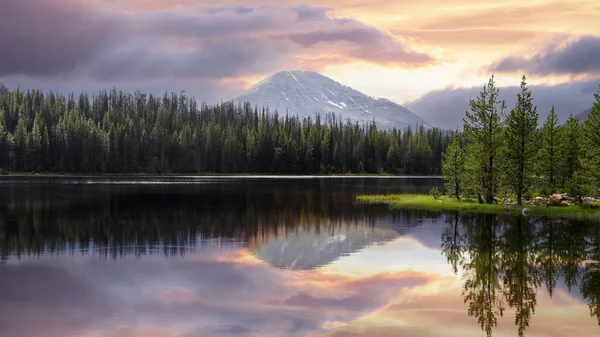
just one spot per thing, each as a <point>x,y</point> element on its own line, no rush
<point>397,49</point>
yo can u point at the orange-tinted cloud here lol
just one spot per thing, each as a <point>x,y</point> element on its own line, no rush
<point>452,38</point>
<point>507,15</point>
<point>442,312</point>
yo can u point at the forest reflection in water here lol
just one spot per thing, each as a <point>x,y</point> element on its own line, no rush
<point>504,263</point>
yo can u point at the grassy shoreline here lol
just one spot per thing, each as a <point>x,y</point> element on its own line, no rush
<point>427,202</point>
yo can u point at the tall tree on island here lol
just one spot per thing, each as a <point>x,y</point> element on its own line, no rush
<point>521,144</point>
<point>591,143</point>
<point>453,167</point>
<point>550,155</point>
<point>571,149</point>
<point>483,127</point>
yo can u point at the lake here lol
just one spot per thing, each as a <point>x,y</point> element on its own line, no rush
<point>293,256</point>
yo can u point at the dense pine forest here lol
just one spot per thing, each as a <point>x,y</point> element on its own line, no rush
<point>503,154</point>
<point>118,132</point>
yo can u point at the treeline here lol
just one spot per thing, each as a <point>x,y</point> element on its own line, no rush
<point>118,132</point>
<point>505,155</point>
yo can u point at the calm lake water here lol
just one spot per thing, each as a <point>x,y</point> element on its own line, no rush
<point>188,257</point>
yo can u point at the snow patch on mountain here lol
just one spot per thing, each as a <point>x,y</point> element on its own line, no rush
<point>299,93</point>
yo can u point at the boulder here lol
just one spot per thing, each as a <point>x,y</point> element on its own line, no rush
<point>557,199</point>
<point>565,203</point>
<point>539,201</point>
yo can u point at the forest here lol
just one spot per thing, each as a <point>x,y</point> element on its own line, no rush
<point>118,132</point>
<point>504,154</point>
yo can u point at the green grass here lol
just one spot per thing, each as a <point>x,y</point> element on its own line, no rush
<point>427,202</point>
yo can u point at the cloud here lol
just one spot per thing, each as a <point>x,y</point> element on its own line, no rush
<point>507,15</point>
<point>446,108</point>
<point>71,40</point>
<point>46,300</point>
<point>199,295</point>
<point>51,37</point>
<point>578,57</point>
<point>468,37</point>
<point>384,48</point>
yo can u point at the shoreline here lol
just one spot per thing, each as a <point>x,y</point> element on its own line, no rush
<point>207,175</point>
<point>427,202</point>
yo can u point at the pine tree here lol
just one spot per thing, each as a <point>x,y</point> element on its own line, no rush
<point>453,167</point>
<point>570,149</point>
<point>521,144</point>
<point>591,143</point>
<point>483,131</point>
<point>35,143</point>
<point>550,154</point>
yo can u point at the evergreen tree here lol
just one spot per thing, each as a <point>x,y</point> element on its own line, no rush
<point>591,143</point>
<point>521,144</point>
<point>453,167</point>
<point>570,149</point>
<point>550,155</point>
<point>483,127</point>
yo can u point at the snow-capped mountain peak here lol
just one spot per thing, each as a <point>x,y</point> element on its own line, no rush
<point>306,93</point>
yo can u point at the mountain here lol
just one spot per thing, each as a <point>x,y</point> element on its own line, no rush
<point>306,93</point>
<point>314,248</point>
<point>582,116</point>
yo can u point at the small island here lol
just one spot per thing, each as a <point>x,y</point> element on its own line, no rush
<point>503,163</point>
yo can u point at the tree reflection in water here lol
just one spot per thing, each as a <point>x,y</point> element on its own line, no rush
<point>506,260</point>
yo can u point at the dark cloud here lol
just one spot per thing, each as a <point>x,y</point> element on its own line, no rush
<point>446,108</point>
<point>578,57</point>
<point>52,37</point>
<point>310,13</point>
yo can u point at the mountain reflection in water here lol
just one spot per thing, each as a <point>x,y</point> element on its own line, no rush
<point>284,258</point>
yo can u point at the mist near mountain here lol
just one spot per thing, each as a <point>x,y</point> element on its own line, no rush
<point>582,116</point>
<point>446,108</point>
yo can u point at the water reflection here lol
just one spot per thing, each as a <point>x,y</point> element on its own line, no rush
<point>115,221</point>
<point>283,258</point>
<point>506,261</point>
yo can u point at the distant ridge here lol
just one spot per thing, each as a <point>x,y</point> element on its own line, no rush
<point>307,93</point>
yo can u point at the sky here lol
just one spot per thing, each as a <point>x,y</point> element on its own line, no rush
<point>401,287</point>
<point>411,52</point>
